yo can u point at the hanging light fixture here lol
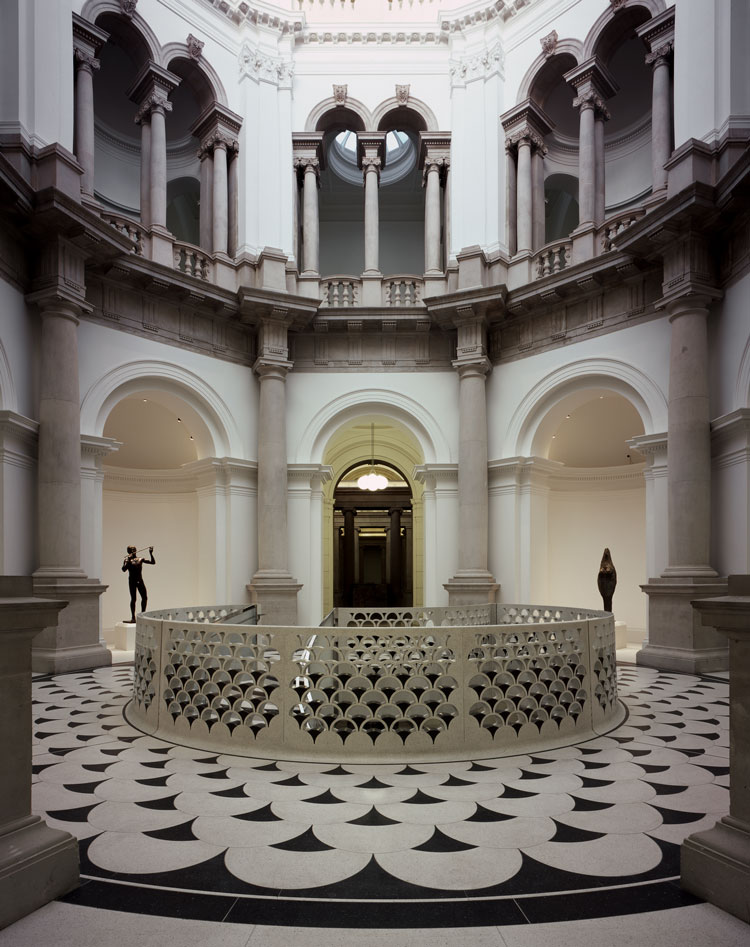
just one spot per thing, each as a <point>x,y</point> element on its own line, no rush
<point>372,481</point>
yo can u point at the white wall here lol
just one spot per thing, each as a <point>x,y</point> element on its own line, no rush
<point>581,523</point>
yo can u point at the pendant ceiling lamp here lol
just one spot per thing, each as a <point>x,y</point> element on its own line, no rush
<point>372,481</point>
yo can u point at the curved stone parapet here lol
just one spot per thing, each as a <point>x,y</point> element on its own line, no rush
<point>378,684</point>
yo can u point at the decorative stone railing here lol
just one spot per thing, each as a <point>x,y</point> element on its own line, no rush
<point>388,686</point>
<point>192,260</point>
<point>553,258</point>
<point>129,228</point>
<point>402,291</point>
<point>340,291</point>
<point>616,225</point>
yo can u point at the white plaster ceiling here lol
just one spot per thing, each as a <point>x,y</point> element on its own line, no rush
<point>594,432</point>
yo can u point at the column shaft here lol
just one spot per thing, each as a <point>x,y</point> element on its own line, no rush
<point>689,444</point>
<point>599,173</point>
<point>661,123</point>
<point>220,198</point>
<point>349,543</point>
<point>472,470</point>
<point>272,472</point>
<point>310,221</point>
<point>372,219</point>
<point>146,171</point>
<point>524,206</point>
<point>432,220</point>
<point>59,470</point>
<point>158,180</point>
<point>206,201</point>
<point>587,165</point>
<point>537,199</point>
<point>512,210</point>
<point>394,578</point>
<point>84,125</point>
<point>233,193</point>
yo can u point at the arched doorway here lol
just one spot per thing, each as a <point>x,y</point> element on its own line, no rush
<point>373,539</point>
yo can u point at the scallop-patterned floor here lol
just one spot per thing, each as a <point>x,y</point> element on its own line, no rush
<point>585,831</point>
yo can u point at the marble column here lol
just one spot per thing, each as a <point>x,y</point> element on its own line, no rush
<point>145,123</point>
<point>601,115</point>
<point>158,165</point>
<point>73,643</point>
<point>431,179</point>
<point>676,639</point>
<point>512,209</point>
<point>37,863</point>
<point>371,170</point>
<point>472,583</point>
<point>586,159</point>
<point>538,225</point>
<point>715,864</point>
<point>206,213</point>
<point>272,587</point>
<point>87,42</point>
<point>349,554</point>
<point>310,218</point>
<point>233,196</point>
<point>220,227</point>
<point>661,114</point>
<point>524,225</point>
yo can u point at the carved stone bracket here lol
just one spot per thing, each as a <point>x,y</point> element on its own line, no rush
<point>127,8</point>
<point>402,94</point>
<point>195,46</point>
<point>340,93</point>
<point>549,43</point>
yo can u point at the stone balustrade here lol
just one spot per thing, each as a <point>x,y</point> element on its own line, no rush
<point>192,260</point>
<point>553,258</point>
<point>616,225</point>
<point>395,684</point>
<point>402,291</point>
<point>130,229</point>
<point>340,292</point>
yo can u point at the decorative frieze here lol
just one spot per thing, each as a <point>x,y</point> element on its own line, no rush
<point>263,67</point>
<point>481,65</point>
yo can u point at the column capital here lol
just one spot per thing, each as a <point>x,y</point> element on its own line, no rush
<point>84,60</point>
<point>688,273</point>
<point>526,123</point>
<point>371,145</point>
<point>87,42</point>
<point>151,91</point>
<point>217,127</point>
<point>591,76</point>
<point>658,33</point>
<point>434,153</point>
<point>271,368</point>
<point>661,55</point>
<point>592,100</point>
<point>308,153</point>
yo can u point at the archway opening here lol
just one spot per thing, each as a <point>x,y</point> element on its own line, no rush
<point>560,206</point>
<point>373,539</point>
<point>150,498</point>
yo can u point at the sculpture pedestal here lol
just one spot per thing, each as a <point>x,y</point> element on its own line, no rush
<point>275,595</point>
<point>74,642</point>
<point>471,588</point>
<point>716,864</point>
<point>123,637</point>
<point>37,863</point>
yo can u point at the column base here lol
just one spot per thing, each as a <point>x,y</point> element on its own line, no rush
<point>75,643</point>
<point>37,865</point>
<point>677,639</point>
<point>162,246</point>
<point>372,288</point>
<point>275,594</point>
<point>308,285</point>
<point>715,865</point>
<point>583,243</point>
<point>470,587</point>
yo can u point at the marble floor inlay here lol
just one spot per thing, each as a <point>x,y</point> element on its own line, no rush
<point>583,831</point>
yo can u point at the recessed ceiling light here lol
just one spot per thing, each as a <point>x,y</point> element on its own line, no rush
<point>180,420</point>
<point>567,417</point>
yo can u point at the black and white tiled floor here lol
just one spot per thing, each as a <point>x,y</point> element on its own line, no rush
<point>580,833</point>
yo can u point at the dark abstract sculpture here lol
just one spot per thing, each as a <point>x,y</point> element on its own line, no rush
<point>133,565</point>
<point>607,580</point>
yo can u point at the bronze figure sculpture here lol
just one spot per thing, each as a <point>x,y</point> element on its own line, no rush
<point>133,565</point>
<point>607,580</point>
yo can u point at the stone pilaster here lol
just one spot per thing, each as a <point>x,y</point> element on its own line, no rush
<point>59,294</point>
<point>150,92</point>
<point>593,85</point>
<point>658,35</point>
<point>371,159</point>
<point>272,588</point>
<point>434,160</point>
<point>676,638</point>
<point>87,41</point>
<point>37,863</point>
<point>217,129</point>
<point>308,163</point>
<point>525,127</point>
<point>472,583</point>
<point>715,864</point>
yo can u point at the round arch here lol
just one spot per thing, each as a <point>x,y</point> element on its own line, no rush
<point>600,27</point>
<point>527,426</point>
<point>93,9</point>
<point>179,51</point>
<point>419,109</point>
<point>564,47</point>
<point>331,113</point>
<point>223,436</point>
<point>409,413</point>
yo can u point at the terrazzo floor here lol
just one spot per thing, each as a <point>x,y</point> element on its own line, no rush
<point>555,847</point>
